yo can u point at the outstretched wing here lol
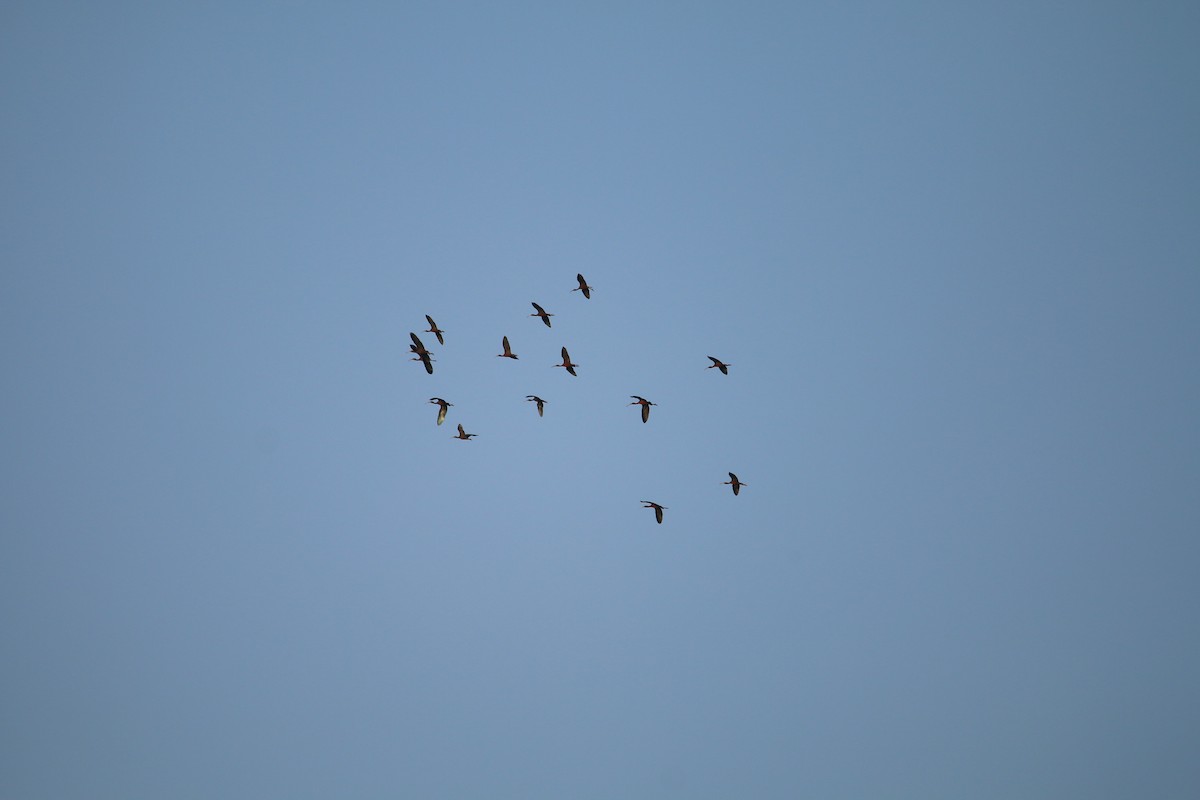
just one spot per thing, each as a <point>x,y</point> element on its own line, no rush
<point>433,328</point>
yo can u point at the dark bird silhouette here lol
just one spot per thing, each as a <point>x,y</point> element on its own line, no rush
<point>567,363</point>
<point>719,365</point>
<point>433,328</point>
<point>426,360</point>
<point>657,510</point>
<point>463,434</point>
<point>583,287</point>
<point>442,407</point>
<point>423,355</point>
<point>644,403</point>
<point>508,353</point>
<point>541,312</point>
<point>533,398</point>
<point>734,482</point>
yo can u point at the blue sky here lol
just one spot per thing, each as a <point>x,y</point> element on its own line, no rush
<point>950,250</point>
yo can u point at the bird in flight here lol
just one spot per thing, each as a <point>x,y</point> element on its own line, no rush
<point>533,398</point>
<point>735,483</point>
<point>541,312</point>
<point>657,510</point>
<point>463,434</point>
<point>644,403</point>
<point>442,408</point>
<point>583,287</point>
<point>508,353</point>
<point>424,358</point>
<point>423,355</point>
<point>567,363</point>
<point>719,365</point>
<point>433,328</point>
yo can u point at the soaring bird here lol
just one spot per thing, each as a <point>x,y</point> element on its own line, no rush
<point>463,434</point>
<point>508,353</point>
<point>423,355</point>
<point>442,408</point>
<point>734,482</point>
<point>719,365</point>
<point>533,398</point>
<point>583,287</point>
<point>433,328</point>
<point>424,359</point>
<point>541,312</point>
<point>657,510</point>
<point>567,363</point>
<point>644,403</point>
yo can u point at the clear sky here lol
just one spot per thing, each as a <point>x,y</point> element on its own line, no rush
<point>951,250</point>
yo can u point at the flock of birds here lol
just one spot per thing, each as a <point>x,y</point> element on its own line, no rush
<point>422,354</point>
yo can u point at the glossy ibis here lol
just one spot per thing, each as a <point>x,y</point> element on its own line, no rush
<point>644,403</point>
<point>433,328</point>
<point>442,408</point>
<point>508,353</point>
<point>541,312</point>
<point>657,510</point>
<point>721,365</point>
<point>423,355</point>
<point>463,434</point>
<point>533,398</point>
<point>734,482</point>
<point>567,363</point>
<point>583,287</point>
